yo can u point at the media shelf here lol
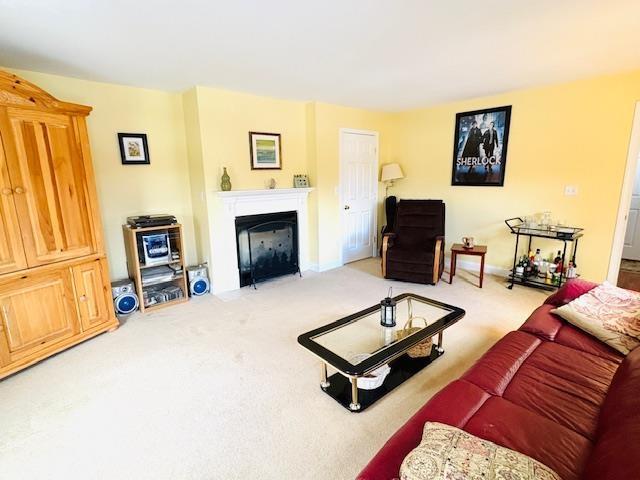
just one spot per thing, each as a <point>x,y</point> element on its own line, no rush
<point>160,282</point>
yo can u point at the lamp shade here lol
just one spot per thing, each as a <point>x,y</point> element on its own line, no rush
<point>391,171</point>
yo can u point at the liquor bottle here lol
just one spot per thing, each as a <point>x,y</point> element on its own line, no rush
<point>538,257</point>
<point>558,258</point>
<point>528,268</point>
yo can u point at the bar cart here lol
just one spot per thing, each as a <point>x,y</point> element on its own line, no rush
<point>566,235</point>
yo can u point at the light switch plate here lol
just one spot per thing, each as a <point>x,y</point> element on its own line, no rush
<point>570,190</point>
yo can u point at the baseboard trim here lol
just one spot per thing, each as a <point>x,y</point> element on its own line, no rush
<point>475,266</point>
<point>323,267</point>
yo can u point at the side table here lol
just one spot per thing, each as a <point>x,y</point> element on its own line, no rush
<point>459,249</point>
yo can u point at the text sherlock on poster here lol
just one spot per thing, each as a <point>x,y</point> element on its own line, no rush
<point>480,149</point>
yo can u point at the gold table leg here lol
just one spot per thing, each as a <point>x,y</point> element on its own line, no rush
<point>354,405</point>
<point>324,383</point>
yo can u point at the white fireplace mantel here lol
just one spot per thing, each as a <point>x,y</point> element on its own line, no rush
<point>237,203</point>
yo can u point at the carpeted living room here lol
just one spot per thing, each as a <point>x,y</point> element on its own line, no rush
<point>336,240</point>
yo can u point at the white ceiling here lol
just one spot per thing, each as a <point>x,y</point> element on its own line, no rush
<point>383,54</point>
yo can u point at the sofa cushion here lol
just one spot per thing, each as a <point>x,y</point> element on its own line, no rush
<point>609,314</point>
<point>496,368</point>
<point>454,405</point>
<point>564,385</point>
<point>447,452</point>
<point>570,291</point>
<point>542,323</point>
<point>509,425</point>
<point>615,453</point>
<point>549,326</point>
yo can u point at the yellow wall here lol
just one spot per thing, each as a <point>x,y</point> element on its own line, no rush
<point>310,138</point>
<point>570,134</point>
<point>329,119</point>
<point>162,186</point>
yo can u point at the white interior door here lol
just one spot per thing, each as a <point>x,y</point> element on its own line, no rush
<point>631,248</point>
<point>359,192</point>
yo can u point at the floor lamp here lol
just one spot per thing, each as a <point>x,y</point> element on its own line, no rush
<point>390,172</point>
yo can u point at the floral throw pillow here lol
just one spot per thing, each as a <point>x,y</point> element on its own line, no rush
<point>609,313</point>
<point>448,453</point>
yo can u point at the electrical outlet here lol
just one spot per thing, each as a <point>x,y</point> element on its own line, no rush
<point>570,190</point>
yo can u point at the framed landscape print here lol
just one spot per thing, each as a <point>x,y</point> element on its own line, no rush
<point>265,151</point>
<point>480,147</point>
<point>134,149</point>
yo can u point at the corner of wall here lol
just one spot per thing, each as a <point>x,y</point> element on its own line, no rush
<point>193,135</point>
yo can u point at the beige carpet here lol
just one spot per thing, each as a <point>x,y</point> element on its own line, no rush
<point>219,389</point>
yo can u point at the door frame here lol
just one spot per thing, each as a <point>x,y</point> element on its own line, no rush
<point>625,198</point>
<point>376,135</point>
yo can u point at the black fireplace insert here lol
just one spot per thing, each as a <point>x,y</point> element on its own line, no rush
<point>267,246</point>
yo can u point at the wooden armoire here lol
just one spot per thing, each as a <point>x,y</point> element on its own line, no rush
<point>54,280</point>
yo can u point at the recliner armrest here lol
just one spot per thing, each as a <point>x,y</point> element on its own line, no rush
<point>387,242</point>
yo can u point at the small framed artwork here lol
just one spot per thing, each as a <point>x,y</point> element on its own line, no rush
<point>265,151</point>
<point>480,147</point>
<point>134,149</point>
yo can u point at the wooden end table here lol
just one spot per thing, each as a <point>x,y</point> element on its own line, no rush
<point>459,249</point>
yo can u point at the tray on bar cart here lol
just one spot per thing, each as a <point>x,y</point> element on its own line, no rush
<point>558,232</point>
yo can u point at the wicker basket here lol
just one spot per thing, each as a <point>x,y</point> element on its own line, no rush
<point>422,349</point>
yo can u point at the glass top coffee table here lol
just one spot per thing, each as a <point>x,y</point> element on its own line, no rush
<point>359,347</point>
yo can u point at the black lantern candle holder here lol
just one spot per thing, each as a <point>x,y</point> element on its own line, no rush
<point>388,311</point>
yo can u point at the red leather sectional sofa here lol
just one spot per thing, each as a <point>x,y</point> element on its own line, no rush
<point>547,390</point>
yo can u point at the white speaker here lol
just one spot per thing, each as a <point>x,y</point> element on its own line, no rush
<point>125,300</point>
<point>198,280</point>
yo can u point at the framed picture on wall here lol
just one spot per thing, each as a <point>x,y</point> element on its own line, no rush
<point>480,147</point>
<point>134,149</point>
<point>265,150</point>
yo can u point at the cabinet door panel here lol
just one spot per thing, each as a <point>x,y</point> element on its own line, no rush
<point>37,312</point>
<point>48,179</point>
<point>94,300</point>
<point>11,249</point>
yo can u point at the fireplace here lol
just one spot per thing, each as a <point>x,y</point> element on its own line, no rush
<point>267,246</point>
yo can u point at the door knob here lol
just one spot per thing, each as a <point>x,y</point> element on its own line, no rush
<point>6,191</point>
<point>19,190</point>
<point>347,207</point>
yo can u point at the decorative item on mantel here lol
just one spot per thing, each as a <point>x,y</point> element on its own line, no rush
<point>271,184</point>
<point>388,311</point>
<point>225,184</point>
<point>390,172</point>
<point>301,181</point>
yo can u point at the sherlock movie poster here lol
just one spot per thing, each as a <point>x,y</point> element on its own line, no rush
<point>480,149</point>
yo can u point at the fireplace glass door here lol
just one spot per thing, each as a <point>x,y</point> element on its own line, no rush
<point>267,246</point>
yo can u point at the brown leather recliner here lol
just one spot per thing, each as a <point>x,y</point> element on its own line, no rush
<point>415,251</point>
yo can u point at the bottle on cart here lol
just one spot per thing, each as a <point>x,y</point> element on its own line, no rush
<point>558,262</point>
<point>538,257</point>
<point>558,258</point>
<point>528,266</point>
<point>571,270</point>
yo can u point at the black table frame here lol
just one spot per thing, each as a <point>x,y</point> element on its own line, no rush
<point>342,386</point>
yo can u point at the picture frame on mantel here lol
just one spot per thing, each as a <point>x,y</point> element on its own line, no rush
<point>134,149</point>
<point>266,152</point>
